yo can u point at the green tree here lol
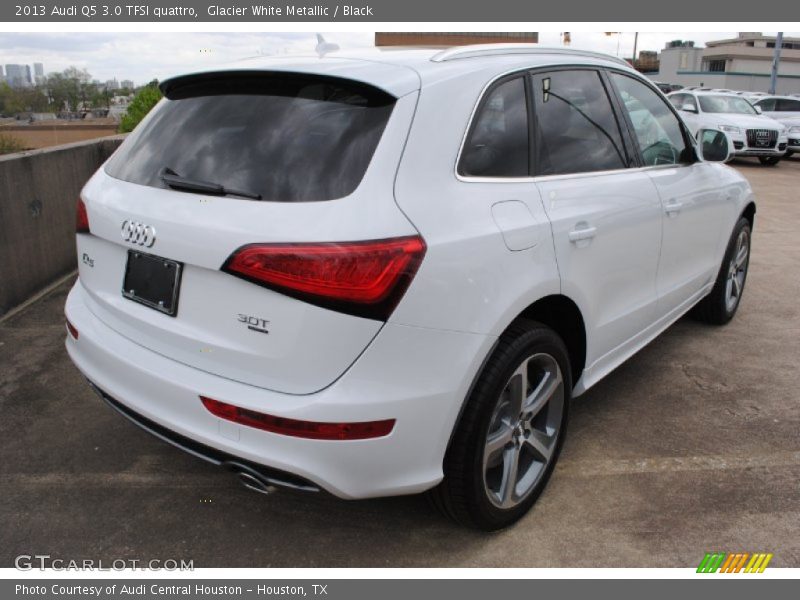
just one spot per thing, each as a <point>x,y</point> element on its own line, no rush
<point>141,104</point>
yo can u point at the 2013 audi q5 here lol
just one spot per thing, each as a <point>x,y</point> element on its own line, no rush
<point>382,273</point>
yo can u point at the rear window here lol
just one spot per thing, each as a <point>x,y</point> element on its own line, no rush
<point>285,138</point>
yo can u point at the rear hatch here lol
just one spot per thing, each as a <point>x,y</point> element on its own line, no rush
<point>301,166</point>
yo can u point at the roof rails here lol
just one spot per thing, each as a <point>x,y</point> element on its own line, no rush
<point>479,50</point>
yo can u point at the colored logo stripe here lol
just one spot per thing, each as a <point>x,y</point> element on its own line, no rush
<point>734,563</point>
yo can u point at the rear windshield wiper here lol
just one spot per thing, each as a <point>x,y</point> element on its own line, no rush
<point>175,181</point>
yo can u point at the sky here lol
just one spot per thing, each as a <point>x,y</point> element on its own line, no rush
<point>143,56</point>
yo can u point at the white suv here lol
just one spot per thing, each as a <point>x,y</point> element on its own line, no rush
<point>753,134</point>
<point>390,272</point>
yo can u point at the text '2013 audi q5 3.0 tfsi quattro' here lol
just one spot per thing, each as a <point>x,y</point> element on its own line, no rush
<point>390,272</point>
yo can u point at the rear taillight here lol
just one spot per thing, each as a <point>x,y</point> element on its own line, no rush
<point>81,218</point>
<point>72,330</point>
<point>366,279</point>
<point>314,430</point>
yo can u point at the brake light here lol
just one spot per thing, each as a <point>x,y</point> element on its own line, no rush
<point>292,427</point>
<point>366,279</point>
<point>81,218</point>
<point>72,330</point>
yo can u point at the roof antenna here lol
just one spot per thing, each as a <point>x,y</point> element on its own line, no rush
<point>324,47</point>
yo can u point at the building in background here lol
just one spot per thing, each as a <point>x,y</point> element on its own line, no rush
<point>444,39</point>
<point>18,75</point>
<point>647,62</point>
<point>112,84</point>
<point>126,84</point>
<point>740,63</point>
<point>38,73</point>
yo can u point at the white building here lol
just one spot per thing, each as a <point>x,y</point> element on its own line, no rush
<point>741,63</point>
<point>38,73</point>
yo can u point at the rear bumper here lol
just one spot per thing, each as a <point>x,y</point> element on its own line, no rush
<point>415,375</point>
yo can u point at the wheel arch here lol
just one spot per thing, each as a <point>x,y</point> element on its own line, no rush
<point>560,313</point>
<point>749,213</point>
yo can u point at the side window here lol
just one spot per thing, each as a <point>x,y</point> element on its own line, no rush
<point>785,104</point>
<point>656,128</point>
<point>766,104</point>
<point>576,128</point>
<point>497,144</point>
<point>677,100</point>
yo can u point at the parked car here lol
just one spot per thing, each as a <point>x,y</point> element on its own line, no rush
<point>667,87</point>
<point>792,125</point>
<point>753,134</point>
<point>383,273</point>
<point>778,106</point>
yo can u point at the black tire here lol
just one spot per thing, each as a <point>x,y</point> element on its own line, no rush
<point>463,495</point>
<point>716,308</point>
<point>769,161</point>
<point>788,154</point>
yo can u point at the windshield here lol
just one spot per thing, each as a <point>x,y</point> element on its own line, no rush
<point>726,104</point>
<point>285,138</point>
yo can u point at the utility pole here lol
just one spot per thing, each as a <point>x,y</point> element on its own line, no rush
<point>776,61</point>
<point>635,45</point>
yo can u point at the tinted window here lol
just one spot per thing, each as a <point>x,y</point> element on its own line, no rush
<point>576,130</point>
<point>287,138</point>
<point>658,131</point>
<point>786,105</point>
<point>766,104</point>
<point>497,145</point>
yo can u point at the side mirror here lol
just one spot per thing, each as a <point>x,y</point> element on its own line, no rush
<point>689,108</point>
<point>758,109</point>
<point>715,145</point>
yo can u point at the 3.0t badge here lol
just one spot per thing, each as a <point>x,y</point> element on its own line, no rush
<point>138,233</point>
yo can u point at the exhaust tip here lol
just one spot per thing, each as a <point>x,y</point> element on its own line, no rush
<point>254,483</point>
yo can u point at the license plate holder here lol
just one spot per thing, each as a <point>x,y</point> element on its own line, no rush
<point>152,281</point>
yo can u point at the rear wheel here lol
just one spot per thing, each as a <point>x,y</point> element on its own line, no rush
<point>508,439</point>
<point>769,161</point>
<point>721,304</point>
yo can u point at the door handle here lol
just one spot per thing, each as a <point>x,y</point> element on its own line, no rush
<point>673,208</point>
<point>585,233</point>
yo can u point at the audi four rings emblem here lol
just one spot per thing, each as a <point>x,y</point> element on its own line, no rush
<point>138,233</point>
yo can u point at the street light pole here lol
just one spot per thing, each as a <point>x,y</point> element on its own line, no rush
<point>776,60</point>
<point>635,45</point>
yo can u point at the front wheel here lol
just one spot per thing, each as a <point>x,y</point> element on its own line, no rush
<point>508,439</point>
<point>769,161</point>
<point>721,304</point>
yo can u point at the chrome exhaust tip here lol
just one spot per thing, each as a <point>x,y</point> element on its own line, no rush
<point>254,483</point>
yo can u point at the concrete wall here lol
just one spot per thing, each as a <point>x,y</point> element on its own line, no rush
<point>38,192</point>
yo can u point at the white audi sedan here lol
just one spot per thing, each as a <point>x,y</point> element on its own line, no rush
<point>753,134</point>
<point>387,273</point>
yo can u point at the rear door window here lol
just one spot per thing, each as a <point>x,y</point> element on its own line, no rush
<point>576,128</point>
<point>283,137</point>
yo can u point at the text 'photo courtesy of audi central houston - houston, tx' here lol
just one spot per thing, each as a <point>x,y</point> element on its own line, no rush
<point>382,273</point>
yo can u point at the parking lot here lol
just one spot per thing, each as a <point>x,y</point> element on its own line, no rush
<point>691,446</point>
